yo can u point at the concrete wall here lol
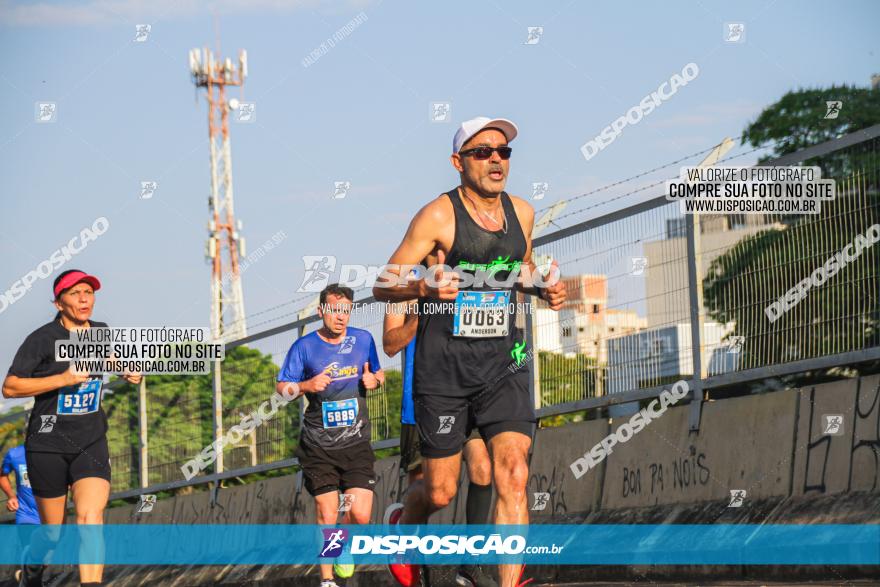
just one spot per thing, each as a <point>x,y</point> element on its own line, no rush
<point>770,445</point>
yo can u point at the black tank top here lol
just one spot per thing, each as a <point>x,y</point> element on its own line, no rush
<point>456,366</point>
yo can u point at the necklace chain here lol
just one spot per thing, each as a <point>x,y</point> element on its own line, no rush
<point>503,225</point>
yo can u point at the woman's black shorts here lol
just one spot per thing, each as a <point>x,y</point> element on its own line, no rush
<point>52,473</point>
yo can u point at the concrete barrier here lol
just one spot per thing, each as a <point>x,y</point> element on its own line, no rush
<point>777,447</point>
<point>771,444</point>
<point>744,443</point>
<point>847,458</point>
<point>192,509</point>
<point>550,471</point>
<point>273,501</point>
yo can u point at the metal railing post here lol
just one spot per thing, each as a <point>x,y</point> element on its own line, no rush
<point>530,338</point>
<point>144,454</point>
<point>695,295</point>
<point>218,415</point>
<point>301,332</point>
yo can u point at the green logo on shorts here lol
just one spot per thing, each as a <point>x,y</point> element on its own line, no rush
<point>518,352</point>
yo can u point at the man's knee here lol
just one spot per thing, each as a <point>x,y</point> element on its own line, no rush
<point>511,473</point>
<point>326,513</point>
<point>360,516</point>
<point>480,470</point>
<point>440,496</point>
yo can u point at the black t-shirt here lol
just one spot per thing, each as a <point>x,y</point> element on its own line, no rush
<point>64,420</point>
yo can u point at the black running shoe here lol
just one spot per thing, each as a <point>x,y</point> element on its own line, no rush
<point>439,576</point>
<point>31,576</point>
<point>475,576</point>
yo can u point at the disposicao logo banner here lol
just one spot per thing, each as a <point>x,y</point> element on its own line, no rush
<point>638,544</point>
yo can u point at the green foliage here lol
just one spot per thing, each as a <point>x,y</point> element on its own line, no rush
<point>797,120</point>
<point>180,425</point>
<point>180,421</point>
<point>843,314</point>
<point>566,379</point>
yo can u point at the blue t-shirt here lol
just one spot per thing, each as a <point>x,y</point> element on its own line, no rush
<point>27,506</point>
<point>407,409</point>
<point>343,421</point>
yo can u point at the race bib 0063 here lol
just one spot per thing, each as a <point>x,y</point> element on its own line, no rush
<point>481,314</point>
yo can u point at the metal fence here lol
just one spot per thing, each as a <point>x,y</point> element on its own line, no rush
<point>654,296</point>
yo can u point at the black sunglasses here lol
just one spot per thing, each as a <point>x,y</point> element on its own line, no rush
<point>483,153</point>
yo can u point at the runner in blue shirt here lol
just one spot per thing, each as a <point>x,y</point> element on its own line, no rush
<point>21,500</point>
<point>335,366</point>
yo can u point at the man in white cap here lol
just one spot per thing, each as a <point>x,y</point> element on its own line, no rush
<point>470,367</point>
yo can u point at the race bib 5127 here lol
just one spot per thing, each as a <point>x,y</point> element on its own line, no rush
<point>76,400</point>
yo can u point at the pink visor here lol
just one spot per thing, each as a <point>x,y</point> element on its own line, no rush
<point>75,277</point>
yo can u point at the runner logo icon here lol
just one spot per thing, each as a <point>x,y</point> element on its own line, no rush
<point>541,500</point>
<point>345,501</point>
<point>518,352</point>
<point>446,423</point>
<point>346,346</point>
<point>334,542</point>
<point>47,423</point>
<point>737,497</point>
<point>317,272</point>
<point>147,501</point>
<point>833,424</point>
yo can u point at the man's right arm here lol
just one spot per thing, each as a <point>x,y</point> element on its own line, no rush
<point>6,486</point>
<point>419,241</point>
<point>291,373</point>
<point>293,388</point>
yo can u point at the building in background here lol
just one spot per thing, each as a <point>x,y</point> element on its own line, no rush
<point>585,323</point>
<point>666,279</point>
<point>659,356</point>
<point>662,356</point>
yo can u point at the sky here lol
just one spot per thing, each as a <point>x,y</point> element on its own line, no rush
<point>127,112</point>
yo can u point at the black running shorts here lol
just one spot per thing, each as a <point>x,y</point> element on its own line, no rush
<point>332,470</point>
<point>410,447</point>
<point>445,423</point>
<point>51,473</point>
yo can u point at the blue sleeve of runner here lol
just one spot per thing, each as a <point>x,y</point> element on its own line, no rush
<point>292,369</point>
<point>374,356</point>
<point>7,463</point>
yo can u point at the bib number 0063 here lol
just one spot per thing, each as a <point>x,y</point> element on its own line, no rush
<point>481,314</point>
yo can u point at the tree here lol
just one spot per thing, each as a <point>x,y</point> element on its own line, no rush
<point>180,423</point>
<point>566,378</point>
<point>843,314</point>
<point>797,120</point>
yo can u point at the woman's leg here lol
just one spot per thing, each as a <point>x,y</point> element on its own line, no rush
<point>90,497</point>
<point>52,509</point>
<point>43,540</point>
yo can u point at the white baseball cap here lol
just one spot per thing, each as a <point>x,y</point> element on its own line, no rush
<point>471,127</point>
